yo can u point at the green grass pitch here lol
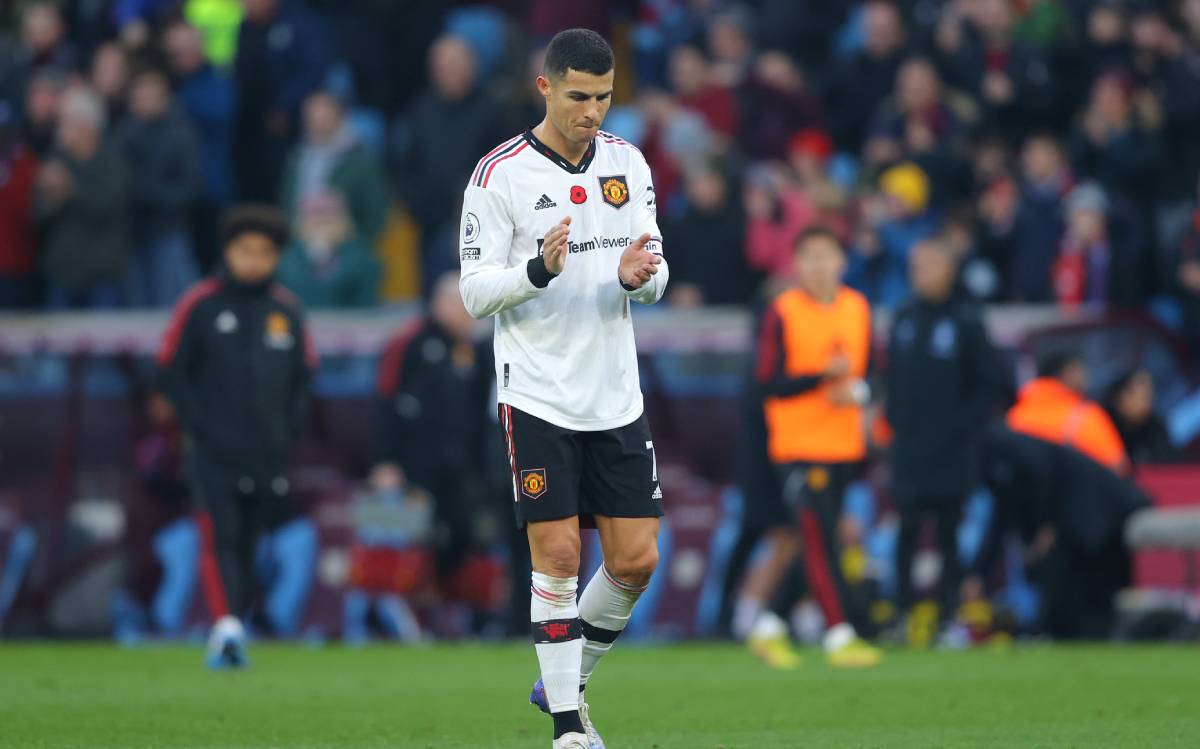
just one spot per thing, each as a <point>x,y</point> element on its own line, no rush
<point>63,696</point>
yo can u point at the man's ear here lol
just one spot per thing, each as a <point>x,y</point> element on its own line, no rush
<point>543,86</point>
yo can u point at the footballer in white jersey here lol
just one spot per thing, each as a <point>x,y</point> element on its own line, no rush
<point>558,238</point>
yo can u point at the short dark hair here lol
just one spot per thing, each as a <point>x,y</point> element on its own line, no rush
<point>254,218</point>
<point>817,231</point>
<point>1056,363</point>
<point>578,49</point>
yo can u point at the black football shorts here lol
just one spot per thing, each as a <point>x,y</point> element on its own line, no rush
<point>561,473</point>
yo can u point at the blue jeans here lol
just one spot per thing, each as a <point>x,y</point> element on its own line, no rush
<point>161,269</point>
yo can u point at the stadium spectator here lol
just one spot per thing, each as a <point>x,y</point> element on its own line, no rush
<point>451,122</point>
<point>694,89</point>
<point>814,352</point>
<point>1130,405</point>
<point>1116,143</point>
<point>905,190</point>
<point>1098,259</point>
<point>81,206</point>
<point>43,97</point>
<point>860,84</point>
<point>731,43</point>
<point>435,384</point>
<point>809,153</point>
<point>877,274</point>
<point>1022,231</point>
<point>282,57</point>
<point>207,96</point>
<point>109,77</point>
<point>18,172</point>
<point>1011,81</point>
<point>921,122</point>
<point>941,388</point>
<point>1105,46</point>
<point>1054,407</point>
<point>164,160</point>
<point>776,213</point>
<point>1183,265</point>
<point>777,101</point>
<point>712,227</point>
<point>330,158</point>
<point>43,46</point>
<point>236,362</point>
<point>327,265</point>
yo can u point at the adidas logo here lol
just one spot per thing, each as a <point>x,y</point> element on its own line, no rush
<point>544,202</point>
<point>657,492</point>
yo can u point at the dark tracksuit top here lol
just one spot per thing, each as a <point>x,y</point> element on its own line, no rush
<point>237,361</point>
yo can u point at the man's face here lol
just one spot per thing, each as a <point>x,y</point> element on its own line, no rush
<point>252,257</point>
<point>931,271</point>
<point>1042,159</point>
<point>452,68</point>
<point>820,264</point>
<point>150,97</point>
<point>185,49</point>
<point>577,103</point>
<point>322,117</point>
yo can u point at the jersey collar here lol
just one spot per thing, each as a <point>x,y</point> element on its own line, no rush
<point>554,156</point>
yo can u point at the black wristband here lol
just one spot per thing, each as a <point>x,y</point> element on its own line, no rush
<point>624,285</point>
<point>539,275</point>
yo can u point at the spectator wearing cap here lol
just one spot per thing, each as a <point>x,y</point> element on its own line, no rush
<point>910,219</point>
<point>164,160</point>
<point>1097,261</point>
<point>81,205</point>
<point>330,158</point>
<point>438,145</point>
<point>18,170</point>
<point>860,85</point>
<point>808,156</point>
<point>282,57</point>
<point>327,265</point>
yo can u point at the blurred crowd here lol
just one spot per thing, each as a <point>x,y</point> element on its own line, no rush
<point>1051,142</point>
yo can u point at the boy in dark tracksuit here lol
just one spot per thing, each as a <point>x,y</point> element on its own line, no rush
<point>236,361</point>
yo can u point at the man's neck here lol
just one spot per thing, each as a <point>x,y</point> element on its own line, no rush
<point>548,134</point>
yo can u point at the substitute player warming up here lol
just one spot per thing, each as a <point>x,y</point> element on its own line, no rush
<point>559,235</point>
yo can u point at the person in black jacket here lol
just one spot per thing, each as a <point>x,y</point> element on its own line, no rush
<point>940,392</point>
<point>1069,512</point>
<point>236,361</point>
<point>435,387</point>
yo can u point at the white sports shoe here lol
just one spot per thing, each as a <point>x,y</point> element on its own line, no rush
<point>593,736</point>
<point>571,741</point>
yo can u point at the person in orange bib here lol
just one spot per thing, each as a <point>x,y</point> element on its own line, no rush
<point>1053,408</point>
<point>814,352</point>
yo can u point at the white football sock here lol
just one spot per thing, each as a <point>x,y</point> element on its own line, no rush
<point>555,618</point>
<point>604,610</point>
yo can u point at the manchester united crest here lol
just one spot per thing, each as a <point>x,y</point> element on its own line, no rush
<point>614,190</point>
<point>533,482</point>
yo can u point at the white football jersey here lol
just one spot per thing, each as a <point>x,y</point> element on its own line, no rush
<point>564,349</point>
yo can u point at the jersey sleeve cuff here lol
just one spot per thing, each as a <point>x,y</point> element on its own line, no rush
<point>539,276</point>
